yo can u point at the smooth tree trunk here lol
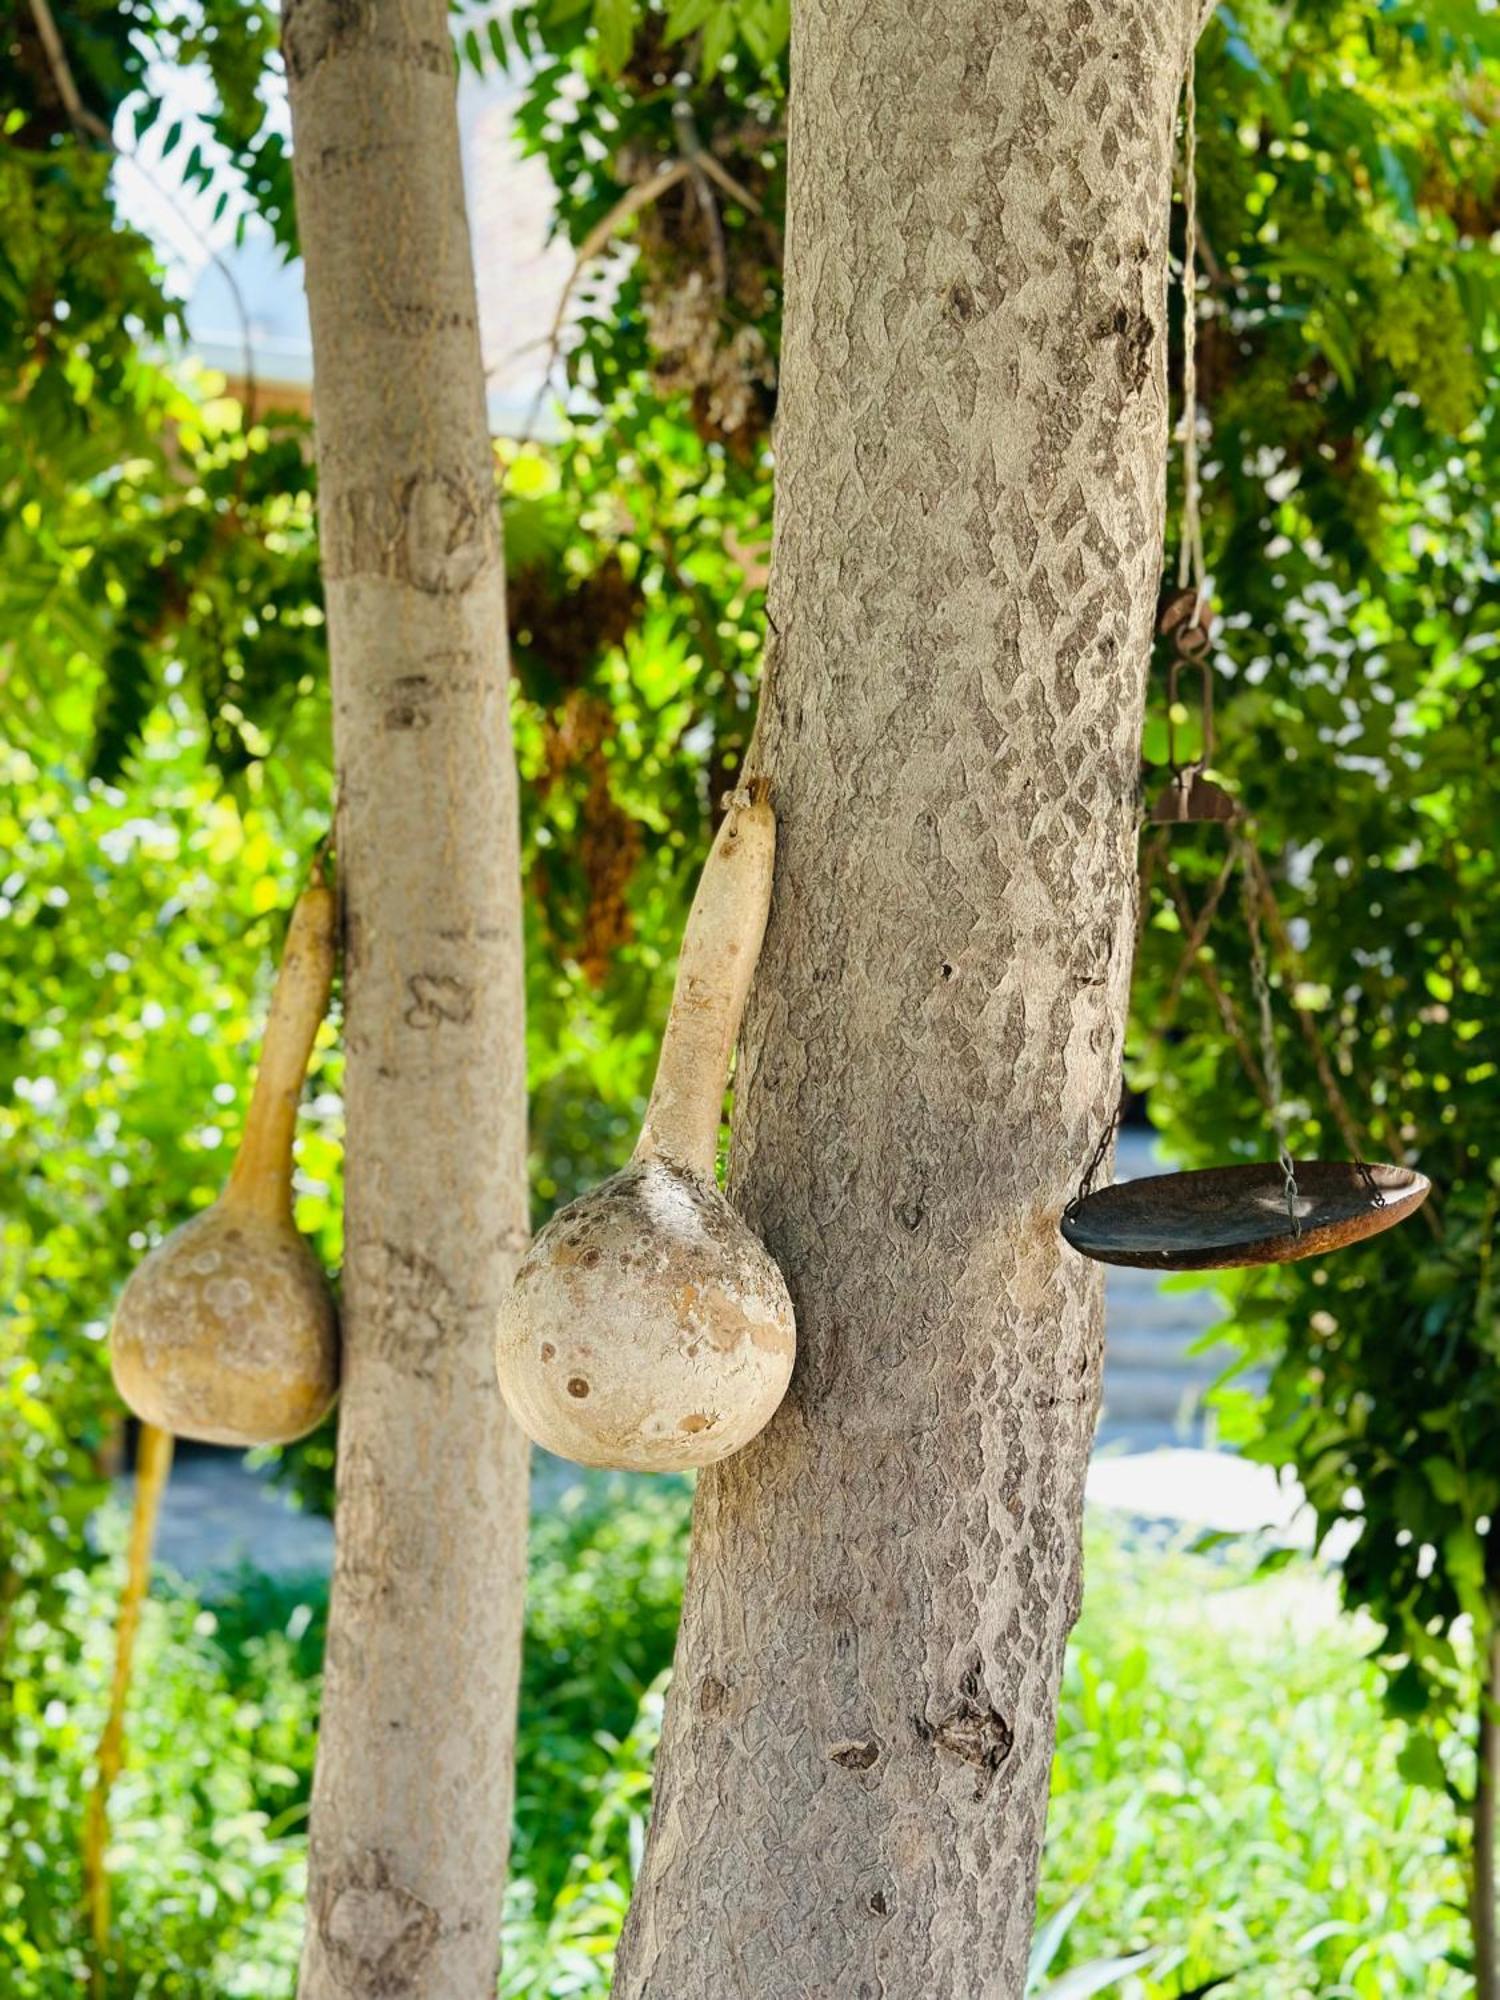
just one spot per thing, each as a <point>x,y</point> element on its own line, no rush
<point>411,1803</point>
<point>1486,1802</point>
<point>853,1777</point>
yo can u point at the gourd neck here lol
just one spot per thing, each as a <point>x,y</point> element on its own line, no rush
<point>261,1178</point>
<point>720,948</point>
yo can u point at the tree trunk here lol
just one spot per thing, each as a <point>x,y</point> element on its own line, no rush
<point>411,1804</point>
<point>852,1783</point>
<point>1487,1782</point>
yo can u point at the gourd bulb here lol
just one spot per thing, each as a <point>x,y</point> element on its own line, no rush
<point>648,1328</point>
<point>227,1332</point>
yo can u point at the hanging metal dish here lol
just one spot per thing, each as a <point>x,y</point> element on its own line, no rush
<point>1224,1217</point>
<point>1275,1211</point>
<point>1269,1212</point>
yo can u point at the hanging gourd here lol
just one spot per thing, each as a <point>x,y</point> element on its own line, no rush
<point>1270,1212</point>
<point>227,1332</point>
<point>648,1328</point>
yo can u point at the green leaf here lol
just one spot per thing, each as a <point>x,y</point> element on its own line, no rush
<point>685,17</point>
<point>614,23</point>
<point>1442,1477</point>
<point>1274,1560</point>
<point>717,39</point>
<point>1419,1764</point>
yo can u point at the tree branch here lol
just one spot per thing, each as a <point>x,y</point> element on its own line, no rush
<point>79,115</point>
<point>630,203</point>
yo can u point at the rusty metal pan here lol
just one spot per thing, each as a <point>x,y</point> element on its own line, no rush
<point>1224,1217</point>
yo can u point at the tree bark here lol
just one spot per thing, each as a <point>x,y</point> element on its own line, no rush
<point>411,1803</point>
<point>852,1783</point>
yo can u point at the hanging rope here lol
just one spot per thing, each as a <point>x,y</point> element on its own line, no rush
<point>1191,567</point>
<point>1186,616</point>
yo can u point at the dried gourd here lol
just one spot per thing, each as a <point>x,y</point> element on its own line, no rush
<point>648,1327</point>
<point>227,1332</point>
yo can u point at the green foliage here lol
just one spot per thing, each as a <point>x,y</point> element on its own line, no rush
<point>1227,1802</point>
<point>1226,1783</point>
<point>601,1622</point>
<point>206,1878</point>
<point>695,315</point>
<point>148,541</point>
<point>239,153</point>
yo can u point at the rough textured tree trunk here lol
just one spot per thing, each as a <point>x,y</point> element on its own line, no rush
<point>852,1784</point>
<point>411,1805</point>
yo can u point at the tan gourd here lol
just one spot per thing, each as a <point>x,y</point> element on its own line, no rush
<point>227,1332</point>
<point>648,1328</point>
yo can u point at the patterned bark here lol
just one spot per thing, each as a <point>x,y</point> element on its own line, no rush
<point>411,1805</point>
<point>852,1785</point>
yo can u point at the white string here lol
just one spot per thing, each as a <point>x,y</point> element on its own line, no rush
<point>1191,567</point>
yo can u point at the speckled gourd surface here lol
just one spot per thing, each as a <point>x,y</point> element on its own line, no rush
<point>648,1328</point>
<point>227,1332</point>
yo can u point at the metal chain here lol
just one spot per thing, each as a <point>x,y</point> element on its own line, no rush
<point>1086,1185</point>
<point>1269,1057</point>
<point>1322,1060</point>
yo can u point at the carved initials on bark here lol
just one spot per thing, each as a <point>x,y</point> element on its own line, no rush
<point>437,997</point>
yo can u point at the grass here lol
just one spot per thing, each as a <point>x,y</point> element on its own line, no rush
<point>1226,1784</point>
<point>1225,1793</point>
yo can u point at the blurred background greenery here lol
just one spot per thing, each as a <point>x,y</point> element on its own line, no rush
<point>1227,1796</point>
<point>1247,1788</point>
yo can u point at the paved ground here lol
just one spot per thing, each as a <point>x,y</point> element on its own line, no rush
<point>1150,1460</point>
<point>217,1516</point>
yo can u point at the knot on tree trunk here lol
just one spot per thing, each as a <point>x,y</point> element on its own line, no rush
<point>375,1934</point>
<point>973,1730</point>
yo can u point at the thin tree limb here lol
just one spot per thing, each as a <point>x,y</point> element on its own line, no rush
<point>630,203</point>
<point>79,115</point>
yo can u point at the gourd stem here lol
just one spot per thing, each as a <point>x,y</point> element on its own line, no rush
<point>720,947</point>
<point>261,1178</point>
<point>153,1463</point>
